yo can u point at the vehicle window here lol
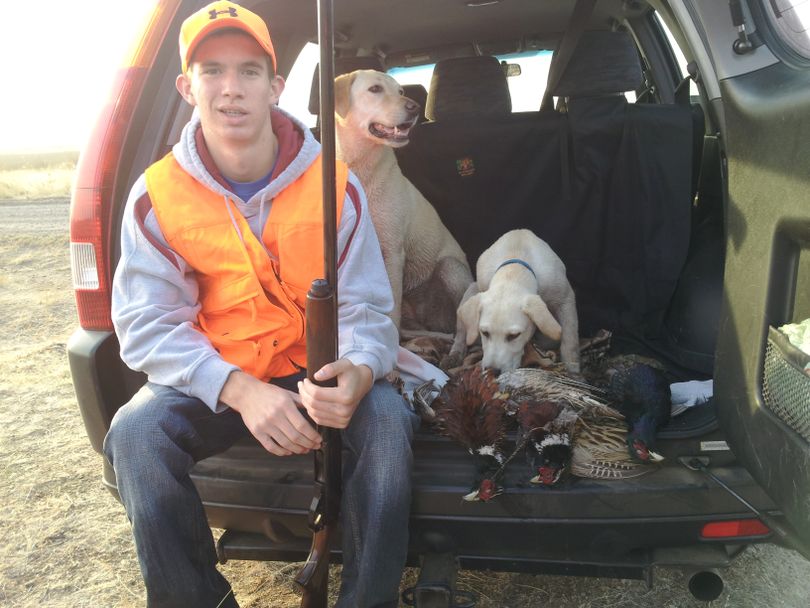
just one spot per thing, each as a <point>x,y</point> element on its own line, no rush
<point>526,88</point>
<point>679,56</point>
<point>791,20</point>
<point>295,98</point>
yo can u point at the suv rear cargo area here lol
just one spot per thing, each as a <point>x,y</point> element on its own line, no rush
<point>625,178</point>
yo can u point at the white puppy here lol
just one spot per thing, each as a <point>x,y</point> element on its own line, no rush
<point>521,287</point>
<point>428,270</point>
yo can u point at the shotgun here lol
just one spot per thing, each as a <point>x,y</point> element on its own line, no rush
<point>322,347</point>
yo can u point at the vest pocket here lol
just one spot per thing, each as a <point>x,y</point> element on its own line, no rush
<point>253,356</point>
<point>224,297</point>
<point>229,310</point>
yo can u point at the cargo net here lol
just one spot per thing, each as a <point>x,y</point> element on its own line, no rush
<point>786,391</point>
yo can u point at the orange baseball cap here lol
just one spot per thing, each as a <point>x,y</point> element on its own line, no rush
<point>217,16</point>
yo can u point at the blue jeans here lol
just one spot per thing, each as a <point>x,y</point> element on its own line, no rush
<point>153,443</point>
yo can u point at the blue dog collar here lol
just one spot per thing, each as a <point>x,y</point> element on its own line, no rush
<point>516,261</point>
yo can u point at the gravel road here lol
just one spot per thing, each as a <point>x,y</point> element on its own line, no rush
<point>34,217</point>
<point>66,542</point>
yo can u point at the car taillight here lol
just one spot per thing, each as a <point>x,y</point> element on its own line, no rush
<point>735,528</point>
<point>91,203</point>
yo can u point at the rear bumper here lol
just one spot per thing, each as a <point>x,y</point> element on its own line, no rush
<point>637,564</point>
<point>101,381</point>
<point>618,529</point>
<point>583,526</point>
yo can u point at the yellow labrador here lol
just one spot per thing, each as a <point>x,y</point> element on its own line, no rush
<point>520,287</point>
<point>428,270</point>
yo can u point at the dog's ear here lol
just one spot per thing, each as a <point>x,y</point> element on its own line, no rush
<point>468,313</point>
<point>540,315</point>
<point>343,85</point>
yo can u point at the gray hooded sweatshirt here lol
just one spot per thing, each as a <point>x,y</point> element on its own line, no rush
<point>155,293</point>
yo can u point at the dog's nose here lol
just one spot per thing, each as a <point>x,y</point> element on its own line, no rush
<point>496,370</point>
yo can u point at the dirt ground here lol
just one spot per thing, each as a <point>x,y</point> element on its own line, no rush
<point>66,541</point>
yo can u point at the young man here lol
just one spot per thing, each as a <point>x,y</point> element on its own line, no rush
<point>220,241</point>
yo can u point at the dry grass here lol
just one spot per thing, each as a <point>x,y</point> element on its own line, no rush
<point>66,542</point>
<point>27,184</point>
<point>35,176</point>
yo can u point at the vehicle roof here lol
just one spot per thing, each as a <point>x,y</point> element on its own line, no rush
<point>420,31</point>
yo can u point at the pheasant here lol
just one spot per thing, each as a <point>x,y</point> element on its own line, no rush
<point>546,443</point>
<point>600,451</point>
<point>549,406</point>
<point>548,448</point>
<point>471,409</point>
<point>542,385</point>
<point>638,388</point>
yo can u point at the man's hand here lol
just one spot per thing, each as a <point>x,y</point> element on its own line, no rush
<point>334,406</point>
<point>270,413</point>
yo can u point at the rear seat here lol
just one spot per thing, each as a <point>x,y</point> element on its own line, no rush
<point>484,169</point>
<point>632,189</point>
<point>607,184</point>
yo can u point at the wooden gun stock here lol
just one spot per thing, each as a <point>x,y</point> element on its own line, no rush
<point>324,511</point>
<point>314,575</point>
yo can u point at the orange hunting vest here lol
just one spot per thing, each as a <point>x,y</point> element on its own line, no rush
<point>252,303</point>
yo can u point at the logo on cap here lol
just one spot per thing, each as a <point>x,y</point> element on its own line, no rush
<point>214,13</point>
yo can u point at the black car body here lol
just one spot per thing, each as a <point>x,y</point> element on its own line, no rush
<point>719,190</point>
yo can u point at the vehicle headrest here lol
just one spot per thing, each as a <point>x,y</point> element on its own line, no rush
<point>343,65</point>
<point>603,63</point>
<point>419,94</point>
<point>468,87</point>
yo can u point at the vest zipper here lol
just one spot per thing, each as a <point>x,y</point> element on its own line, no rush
<point>253,312</point>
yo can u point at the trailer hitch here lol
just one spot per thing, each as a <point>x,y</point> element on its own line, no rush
<point>436,585</point>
